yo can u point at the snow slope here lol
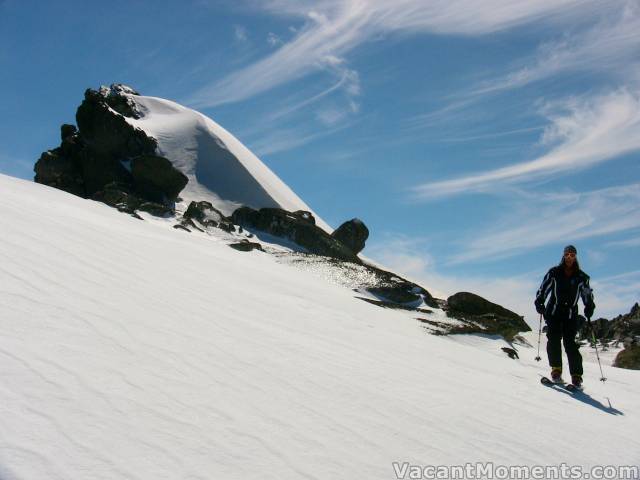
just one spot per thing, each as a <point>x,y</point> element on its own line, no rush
<point>129,350</point>
<point>219,167</point>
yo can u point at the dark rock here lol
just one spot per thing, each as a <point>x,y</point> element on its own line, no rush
<point>616,329</point>
<point>108,134</point>
<point>60,171</point>
<point>305,216</point>
<point>208,216</point>
<point>246,246</point>
<point>395,306</point>
<point>99,170</point>
<point>156,178</point>
<point>205,213</point>
<point>601,328</point>
<point>492,318</point>
<point>286,225</point>
<point>109,160</point>
<point>628,358</point>
<point>181,227</point>
<point>353,234</point>
<point>471,303</point>
<point>116,97</point>
<point>117,196</point>
<point>188,224</point>
<point>121,88</point>
<point>72,147</point>
<point>400,293</point>
<point>67,131</point>
<point>227,227</point>
<point>156,209</point>
<point>393,288</point>
<point>511,352</point>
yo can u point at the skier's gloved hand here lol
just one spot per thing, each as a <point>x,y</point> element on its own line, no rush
<point>539,307</point>
<point>588,310</point>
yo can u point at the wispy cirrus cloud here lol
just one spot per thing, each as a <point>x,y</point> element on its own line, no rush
<point>333,28</point>
<point>630,243</point>
<point>285,139</point>
<point>582,132</point>
<point>604,48</point>
<point>610,47</point>
<point>546,219</point>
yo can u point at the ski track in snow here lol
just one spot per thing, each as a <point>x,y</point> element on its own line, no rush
<point>129,350</point>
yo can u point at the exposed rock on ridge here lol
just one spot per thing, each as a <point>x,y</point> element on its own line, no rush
<point>108,160</point>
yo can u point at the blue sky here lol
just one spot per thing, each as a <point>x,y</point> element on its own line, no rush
<point>475,139</point>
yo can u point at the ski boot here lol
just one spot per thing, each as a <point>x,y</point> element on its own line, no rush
<point>576,382</point>
<point>556,375</point>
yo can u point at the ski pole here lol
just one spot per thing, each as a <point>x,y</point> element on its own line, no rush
<point>593,336</point>
<point>539,333</point>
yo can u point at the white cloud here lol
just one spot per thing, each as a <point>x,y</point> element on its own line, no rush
<point>631,242</point>
<point>284,139</point>
<point>609,47</point>
<point>240,33</point>
<point>616,294</point>
<point>581,133</point>
<point>273,39</point>
<point>330,116</point>
<point>333,28</point>
<point>539,220</point>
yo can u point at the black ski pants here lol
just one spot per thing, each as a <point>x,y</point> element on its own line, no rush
<point>562,330</point>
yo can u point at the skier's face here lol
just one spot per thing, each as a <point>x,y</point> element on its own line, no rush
<point>569,259</point>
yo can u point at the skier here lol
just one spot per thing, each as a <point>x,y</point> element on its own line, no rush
<point>565,282</point>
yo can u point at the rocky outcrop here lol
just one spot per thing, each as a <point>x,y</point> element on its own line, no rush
<point>391,288</point>
<point>489,318</point>
<point>202,216</point>
<point>626,326</point>
<point>246,246</point>
<point>306,216</point>
<point>512,353</point>
<point>61,168</point>
<point>116,96</point>
<point>353,234</point>
<point>629,357</point>
<point>156,179</point>
<point>107,159</point>
<point>621,328</point>
<point>295,227</point>
<point>205,213</point>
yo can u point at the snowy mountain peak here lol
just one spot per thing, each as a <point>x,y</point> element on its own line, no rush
<point>219,167</point>
<point>130,149</point>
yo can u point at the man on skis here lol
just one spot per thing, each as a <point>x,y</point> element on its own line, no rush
<point>564,283</point>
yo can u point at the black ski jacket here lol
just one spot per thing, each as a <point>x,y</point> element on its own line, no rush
<point>565,292</point>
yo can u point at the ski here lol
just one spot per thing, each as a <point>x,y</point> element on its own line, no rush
<point>569,387</point>
<point>573,388</point>
<point>548,381</point>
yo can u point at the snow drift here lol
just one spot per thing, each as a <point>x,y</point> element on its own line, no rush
<point>133,350</point>
<point>219,167</point>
